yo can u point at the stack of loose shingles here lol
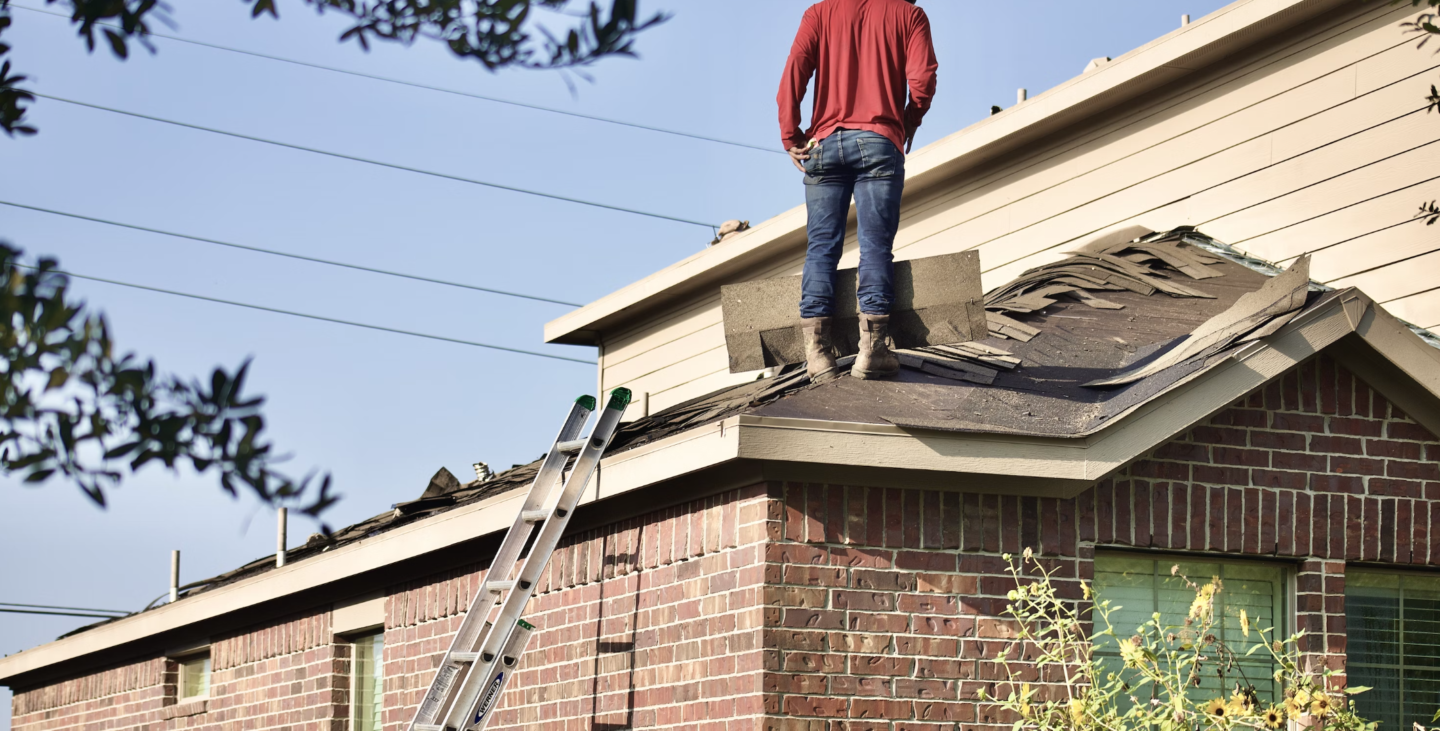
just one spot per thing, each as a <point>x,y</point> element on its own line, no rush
<point>1134,259</point>
<point>974,362</point>
<point>1137,260</point>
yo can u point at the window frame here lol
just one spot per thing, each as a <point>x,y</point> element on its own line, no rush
<point>1400,668</point>
<point>1285,615</point>
<point>183,674</point>
<point>355,640</point>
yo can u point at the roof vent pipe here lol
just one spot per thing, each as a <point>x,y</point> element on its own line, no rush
<point>482,471</point>
<point>280,516</point>
<point>174,576</point>
<point>1021,95</point>
<point>1184,20</point>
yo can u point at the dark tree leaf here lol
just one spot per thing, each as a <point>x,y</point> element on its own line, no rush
<point>117,43</point>
<point>117,407</point>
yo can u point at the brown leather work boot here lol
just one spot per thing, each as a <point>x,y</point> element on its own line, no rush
<point>875,359</point>
<point>819,348</point>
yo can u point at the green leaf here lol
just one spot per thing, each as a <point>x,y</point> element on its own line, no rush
<point>58,377</point>
<point>117,44</point>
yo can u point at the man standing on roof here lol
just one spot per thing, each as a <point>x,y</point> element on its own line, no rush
<point>865,55</point>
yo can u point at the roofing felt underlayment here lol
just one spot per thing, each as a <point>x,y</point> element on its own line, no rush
<point>1072,345</point>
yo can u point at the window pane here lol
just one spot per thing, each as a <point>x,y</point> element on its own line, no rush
<point>1142,587</point>
<point>1393,623</point>
<point>369,682</point>
<point>195,676</point>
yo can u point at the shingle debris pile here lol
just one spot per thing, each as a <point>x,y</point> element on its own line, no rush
<point>1103,330</point>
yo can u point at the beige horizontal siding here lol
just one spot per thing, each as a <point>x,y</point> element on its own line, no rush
<point>1398,278</point>
<point>1317,146</point>
<point>1420,309</point>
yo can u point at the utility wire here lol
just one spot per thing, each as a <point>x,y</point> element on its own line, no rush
<point>393,166</point>
<point>286,254</point>
<point>427,87</point>
<point>57,614</point>
<point>321,318</point>
<point>70,609</point>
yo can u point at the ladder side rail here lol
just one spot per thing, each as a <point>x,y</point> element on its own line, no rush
<point>473,629</point>
<point>450,674</point>
<point>495,683</point>
<point>545,545</point>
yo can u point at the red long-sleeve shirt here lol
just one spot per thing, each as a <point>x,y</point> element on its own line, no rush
<point>864,54</point>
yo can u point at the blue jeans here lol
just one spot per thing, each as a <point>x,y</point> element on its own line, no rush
<point>870,167</point>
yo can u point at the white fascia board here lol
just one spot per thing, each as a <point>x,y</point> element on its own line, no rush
<point>1135,73</point>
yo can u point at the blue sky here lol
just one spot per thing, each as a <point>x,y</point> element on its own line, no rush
<point>382,412</point>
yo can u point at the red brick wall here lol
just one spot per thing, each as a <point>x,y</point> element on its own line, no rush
<point>116,698</point>
<point>286,675</point>
<point>651,622</point>
<point>874,617</point>
<point>833,607</point>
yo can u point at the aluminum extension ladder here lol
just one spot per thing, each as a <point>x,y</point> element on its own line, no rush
<point>485,653</point>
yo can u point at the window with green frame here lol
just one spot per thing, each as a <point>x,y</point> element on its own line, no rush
<point>1393,646</point>
<point>367,682</point>
<point>1138,587</point>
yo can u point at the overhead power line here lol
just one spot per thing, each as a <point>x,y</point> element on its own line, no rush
<point>321,318</point>
<point>68,609</point>
<point>286,254</point>
<point>6,610</point>
<point>379,163</point>
<point>428,87</point>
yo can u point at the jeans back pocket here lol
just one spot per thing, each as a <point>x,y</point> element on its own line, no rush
<point>814,165</point>
<point>879,158</point>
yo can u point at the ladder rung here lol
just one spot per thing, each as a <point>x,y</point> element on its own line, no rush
<point>427,727</point>
<point>572,447</point>
<point>534,516</point>
<point>464,656</point>
<point>498,586</point>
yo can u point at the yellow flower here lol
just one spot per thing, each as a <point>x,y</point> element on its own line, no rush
<point>1201,608</point>
<point>1217,710</point>
<point>1293,709</point>
<point>1321,705</point>
<point>1239,705</point>
<point>1077,710</point>
<point>1244,622</point>
<point>1273,717</point>
<point>1302,698</point>
<point>1130,652</point>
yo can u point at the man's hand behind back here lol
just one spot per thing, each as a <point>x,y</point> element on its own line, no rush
<point>799,155</point>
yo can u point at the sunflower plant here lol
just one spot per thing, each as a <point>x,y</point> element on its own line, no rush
<point>1158,676</point>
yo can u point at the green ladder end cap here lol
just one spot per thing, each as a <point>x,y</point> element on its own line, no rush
<point>525,624</point>
<point>619,399</point>
<point>586,402</point>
